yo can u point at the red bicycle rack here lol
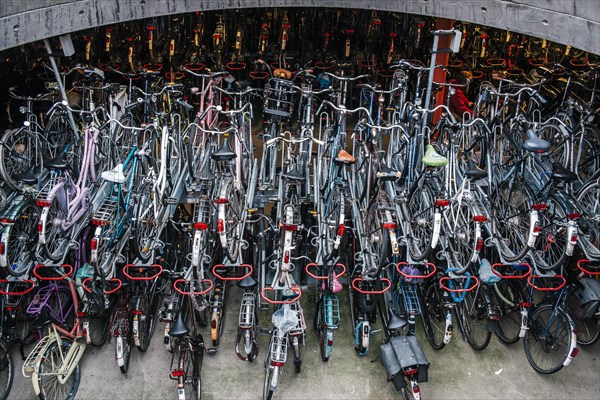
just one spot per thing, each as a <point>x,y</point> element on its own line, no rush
<point>141,270</point>
<point>362,291</point>
<point>585,271</point>
<point>187,292</point>
<point>259,75</point>
<point>449,278</point>
<point>30,285</point>
<point>515,268</point>
<point>236,66</point>
<point>235,278</point>
<point>194,67</point>
<point>295,289</point>
<point>319,277</point>
<point>174,76</point>
<point>111,291</point>
<point>429,275</point>
<point>561,279</point>
<point>40,267</point>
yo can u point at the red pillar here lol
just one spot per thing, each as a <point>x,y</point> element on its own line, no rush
<point>439,75</point>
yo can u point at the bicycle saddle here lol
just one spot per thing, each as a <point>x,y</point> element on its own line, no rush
<point>295,175</point>
<point>474,172</point>
<point>282,73</point>
<point>248,282</point>
<point>561,173</point>
<point>57,162</point>
<point>387,174</point>
<point>28,177</point>
<point>344,157</point>
<point>534,143</point>
<point>205,173</point>
<point>432,158</point>
<point>115,175</point>
<point>180,328</point>
<point>224,153</point>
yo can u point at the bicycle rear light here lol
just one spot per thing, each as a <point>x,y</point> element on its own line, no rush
<point>389,225</point>
<point>220,226</point>
<point>277,363</point>
<point>290,228</point>
<point>40,228</point>
<point>8,221</point>
<point>94,244</point>
<point>573,215</point>
<point>442,202</point>
<point>479,245</point>
<point>341,229</point>
<point>479,218</point>
<point>1,248</point>
<point>574,352</point>
<point>202,226</point>
<point>177,373</point>
<point>221,200</point>
<point>42,203</point>
<point>540,206</point>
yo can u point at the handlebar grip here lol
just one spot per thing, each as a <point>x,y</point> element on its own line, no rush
<point>133,105</point>
<point>185,105</point>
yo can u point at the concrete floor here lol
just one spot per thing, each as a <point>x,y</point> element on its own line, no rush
<point>456,372</point>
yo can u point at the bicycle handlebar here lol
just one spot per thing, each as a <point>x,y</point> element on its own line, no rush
<point>313,92</point>
<point>175,88</point>
<point>380,91</point>
<point>210,75</point>
<point>412,64</point>
<point>291,140</point>
<point>242,93</point>
<point>346,78</point>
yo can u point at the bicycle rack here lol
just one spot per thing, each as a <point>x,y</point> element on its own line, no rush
<point>231,278</point>
<point>178,282</point>
<point>130,272</point>
<point>33,359</point>
<point>247,311</point>
<point>331,309</point>
<point>43,197</point>
<point>279,348</point>
<point>519,271</point>
<point>107,211</point>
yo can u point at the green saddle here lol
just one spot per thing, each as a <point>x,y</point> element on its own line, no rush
<point>432,158</point>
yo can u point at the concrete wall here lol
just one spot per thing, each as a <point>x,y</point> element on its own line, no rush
<point>570,22</point>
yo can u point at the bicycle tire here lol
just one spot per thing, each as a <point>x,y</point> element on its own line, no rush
<point>192,383</point>
<point>511,217</point>
<point>587,329</point>
<point>267,391</point>
<point>553,341</point>
<point>332,218</point>
<point>233,224</point>
<point>126,353</point>
<point>589,199</point>
<point>551,244</point>
<point>510,297</point>
<point>56,237</point>
<point>51,361</point>
<point>6,370</point>
<point>434,317</point>
<point>475,317</point>
<point>144,224</point>
<point>421,213</point>
<point>21,238</point>
<point>147,322</point>
<point>462,235</point>
<point>99,327</point>
<point>20,150</point>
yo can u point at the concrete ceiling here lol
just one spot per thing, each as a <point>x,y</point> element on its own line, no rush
<point>569,22</point>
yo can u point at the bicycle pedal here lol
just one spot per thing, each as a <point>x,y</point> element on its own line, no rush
<point>375,331</point>
<point>211,350</point>
<point>171,200</point>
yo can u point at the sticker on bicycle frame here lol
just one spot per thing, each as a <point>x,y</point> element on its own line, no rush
<point>401,265</point>
<point>177,284</point>
<point>559,279</point>
<point>140,270</point>
<point>37,271</point>
<point>234,278</point>
<point>473,283</point>
<point>15,291</point>
<point>297,290</point>
<point>323,277</point>
<point>362,291</point>
<point>111,291</point>
<point>519,271</point>
<point>594,264</point>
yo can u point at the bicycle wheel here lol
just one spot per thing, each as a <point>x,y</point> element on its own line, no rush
<point>6,371</point>
<point>511,209</point>
<point>48,376</point>
<point>19,151</point>
<point>589,199</point>
<point>99,327</point>
<point>547,342</point>
<point>332,219</point>
<point>586,327</point>
<point>193,382</point>
<point>144,225</point>
<point>125,344</point>
<point>56,237</point>
<point>475,317</point>
<point>551,244</point>
<point>421,213</point>
<point>270,371</point>
<point>462,234</point>
<point>149,309</point>
<point>233,224</point>
<point>510,298</point>
<point>434,317</point>
<point>21,238</point>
